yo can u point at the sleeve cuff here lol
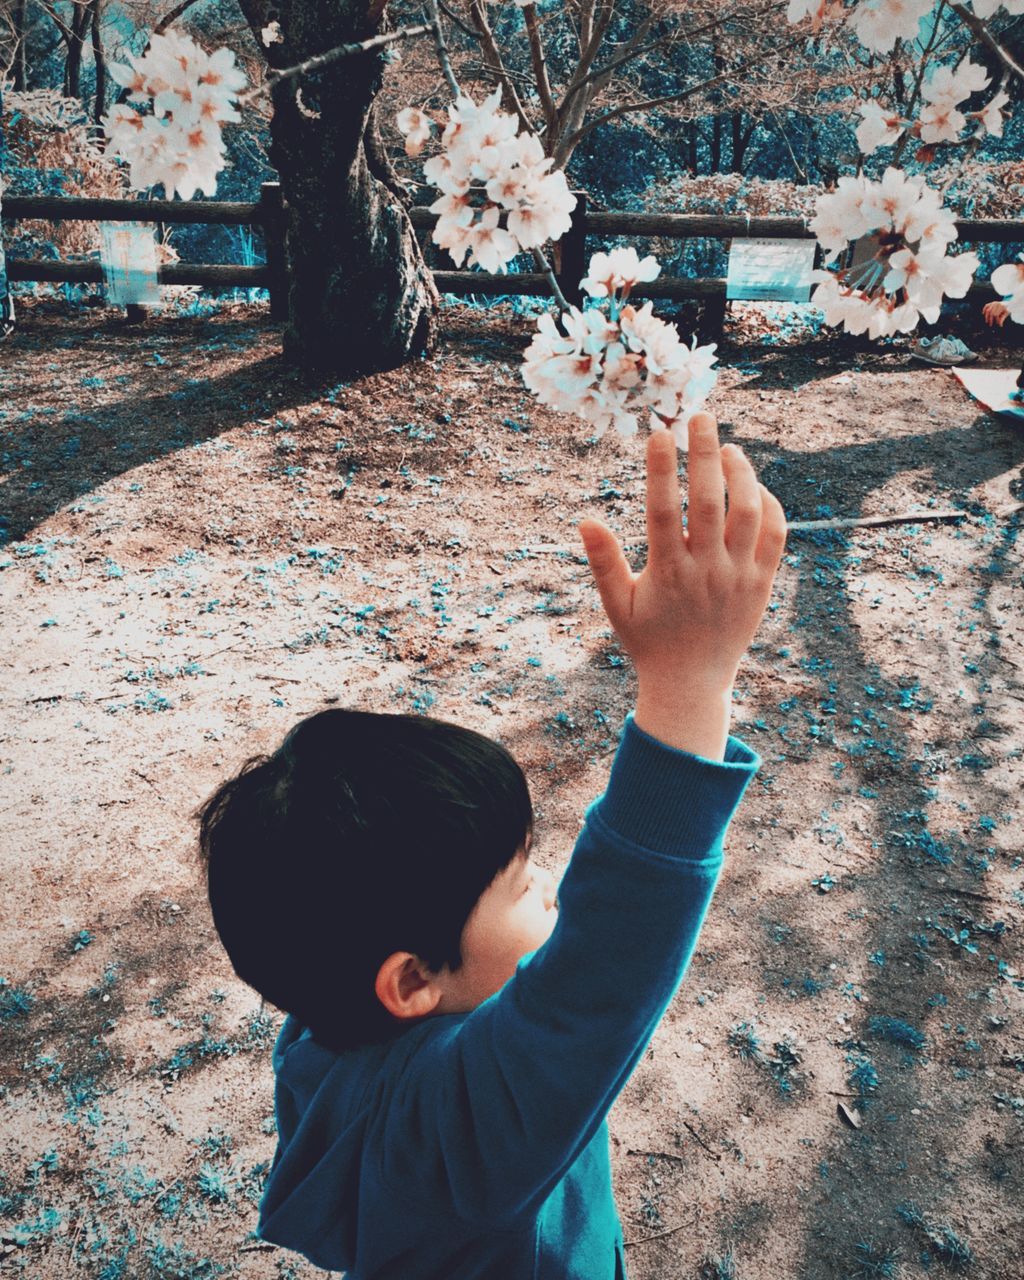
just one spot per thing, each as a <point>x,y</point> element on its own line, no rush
<point>672,801</point>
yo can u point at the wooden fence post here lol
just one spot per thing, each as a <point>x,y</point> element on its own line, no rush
<point>572,266</point>
<point>272,220</point>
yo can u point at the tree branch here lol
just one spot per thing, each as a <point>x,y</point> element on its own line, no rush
<point>58,21</point>
<point>540,70</point>
<point>570,119</point>
<point>335,55</point>
<point>442,50</point>
<point>571,143</point>
<point>986,37</point>
<point>915,94</point>
<point>172,16</point>
<point>541,261</point>
<point>586,25</point>
<point>450,13</point>
<point>631,52</point>
<point>496,64</point>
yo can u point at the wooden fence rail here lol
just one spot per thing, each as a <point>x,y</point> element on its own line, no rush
<point>268,213</point>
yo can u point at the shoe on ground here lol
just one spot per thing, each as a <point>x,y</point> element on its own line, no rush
<point>942,350</point>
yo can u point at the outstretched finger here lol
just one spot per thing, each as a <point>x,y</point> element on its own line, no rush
<point>743,520</point>
<point>665,542</point>
<point>612,574</point>
<point>705,523</point>
<point>772,540</point>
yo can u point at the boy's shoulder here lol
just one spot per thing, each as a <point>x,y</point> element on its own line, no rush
<point>307,1067</point>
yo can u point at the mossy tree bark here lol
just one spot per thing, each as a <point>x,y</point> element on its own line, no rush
<point>361,298</point>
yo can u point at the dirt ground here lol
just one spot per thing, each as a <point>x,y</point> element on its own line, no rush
<point>202,547</point>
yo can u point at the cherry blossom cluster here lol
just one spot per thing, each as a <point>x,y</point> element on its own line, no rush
<point>909,271</point>
<point>498,196</point>
<point>940,119</point>
<point>1008,280</point>
<point>192,93</point>
<point>879,24</point>
<point>608,366</point>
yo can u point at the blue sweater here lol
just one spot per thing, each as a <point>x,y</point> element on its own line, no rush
<point>474,1146</point>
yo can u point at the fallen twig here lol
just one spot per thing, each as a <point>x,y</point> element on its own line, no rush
<point>851,522</point>
<point>712,1153</point>
<point>660,1235</point>
<point>794,526</point>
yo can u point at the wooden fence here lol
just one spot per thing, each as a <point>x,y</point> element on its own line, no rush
<point>268,213</point>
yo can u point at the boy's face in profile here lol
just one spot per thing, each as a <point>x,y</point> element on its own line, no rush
<point>514,915</point>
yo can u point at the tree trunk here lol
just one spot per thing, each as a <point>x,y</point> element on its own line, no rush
<point>740,140</point>
<point>716,144</point>
<point>691,147</point>
<point>361,298</point>
<point>99,105</point>
<point>80,15</point>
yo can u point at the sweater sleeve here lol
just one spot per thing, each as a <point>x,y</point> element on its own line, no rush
<point>492,1110</point>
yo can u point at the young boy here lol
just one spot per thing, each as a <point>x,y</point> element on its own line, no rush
<point>456,1034</point>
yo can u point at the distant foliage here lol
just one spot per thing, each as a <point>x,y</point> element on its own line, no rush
<point>52,150</point>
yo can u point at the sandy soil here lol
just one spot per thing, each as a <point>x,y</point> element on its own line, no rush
<point>203,547</point>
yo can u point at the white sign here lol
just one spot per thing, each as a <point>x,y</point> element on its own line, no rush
<point>129,263</point>
<point>770,270</point>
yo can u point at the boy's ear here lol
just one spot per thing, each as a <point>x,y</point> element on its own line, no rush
<point>406,987</point>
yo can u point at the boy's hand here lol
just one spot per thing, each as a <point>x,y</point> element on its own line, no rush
<point>689,617</point>
<point>995,313</point>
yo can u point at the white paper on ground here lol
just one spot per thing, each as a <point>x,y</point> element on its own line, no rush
<point>991,388</point>
<point>129,263</point>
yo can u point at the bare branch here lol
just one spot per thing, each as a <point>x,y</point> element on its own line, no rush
<point>981,31</point>
<point>172,16</point>
<point>541,261</point>
<point>442,50</point>
<point>540,70</point>
<point>586,25</point>
<point>66,33</point>
<point>334,55</point>
<point>572,142</point>
<point>600,75</point>
<point>450,13</point>
<point>496,63</point>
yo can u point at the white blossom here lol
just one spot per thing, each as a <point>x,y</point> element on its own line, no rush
<point>877,128</point>
<point>800,9</point>
<point>606,367</point>
<point>880,23</point>
<point>1008,280</point>
<point>955,84</point>
<point>499,196</point>
<point>416,126</point>
<point>620,269</point>
<point>991,115</point>
<point>493,247</point>
<point>192,94</point>
<point>912,271</point>
<point>941,122</point>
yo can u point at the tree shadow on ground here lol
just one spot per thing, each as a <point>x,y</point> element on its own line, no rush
<point>864,717</point>
<point>50,458</point>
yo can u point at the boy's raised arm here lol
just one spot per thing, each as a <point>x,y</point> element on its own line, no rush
<point>498,1106</point>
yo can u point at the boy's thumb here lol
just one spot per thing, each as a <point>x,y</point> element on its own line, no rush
<point>612,574</point>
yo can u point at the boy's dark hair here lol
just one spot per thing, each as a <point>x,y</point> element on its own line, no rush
<point>363,834</point>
